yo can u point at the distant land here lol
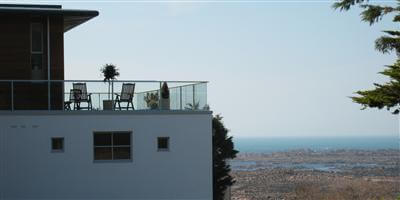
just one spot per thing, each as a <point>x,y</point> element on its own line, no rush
<point>278,144</point>
<point>317,174</point>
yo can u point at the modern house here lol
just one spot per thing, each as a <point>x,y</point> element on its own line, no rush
<point>58,141</point>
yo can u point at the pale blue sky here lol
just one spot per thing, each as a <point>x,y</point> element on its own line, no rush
<point>275,68</point>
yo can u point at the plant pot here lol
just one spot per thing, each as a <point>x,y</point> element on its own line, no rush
<point>165,105</point>
<point>108,105</point>
<point>153,105</point>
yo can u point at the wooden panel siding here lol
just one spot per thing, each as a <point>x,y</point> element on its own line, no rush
<point>57,48</point>
<point>57,61</point>
<point>15,62</point>
<point>15,47</point>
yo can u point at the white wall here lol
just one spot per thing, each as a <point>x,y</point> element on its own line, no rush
<point>30,171</point>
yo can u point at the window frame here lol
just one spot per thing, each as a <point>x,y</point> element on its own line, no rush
<point>40,53</point>
<point>112,146</point>
<point>57,150</point>
<point>168,144</point>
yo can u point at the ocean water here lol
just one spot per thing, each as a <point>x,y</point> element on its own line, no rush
<point>265,145</point>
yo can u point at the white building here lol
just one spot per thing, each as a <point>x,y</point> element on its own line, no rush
<point>52,149</point>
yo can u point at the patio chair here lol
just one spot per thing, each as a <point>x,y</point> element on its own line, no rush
<point>82,97</point>
<point>74,96</point>
<point>126,96</point>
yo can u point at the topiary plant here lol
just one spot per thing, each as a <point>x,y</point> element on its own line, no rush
<point>110,72</point>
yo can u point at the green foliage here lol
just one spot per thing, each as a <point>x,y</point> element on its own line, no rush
<point>383,95</point>
<point>371,13</point>
<point>346,4</point>
<point>110,72</point>
<point>151,100</point>
<point>387,44</point>
<point>196,106</point>
<point>223,149</point>
<point>192,106</point>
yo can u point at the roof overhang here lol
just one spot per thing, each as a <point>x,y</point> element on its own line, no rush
<point>72,18</point>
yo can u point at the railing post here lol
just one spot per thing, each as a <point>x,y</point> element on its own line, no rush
<point>159,97</point>
<point>112,94</point>
<point>48,95</point>
<point>99,101</point>
<point>12,95</point>
<point>48,64</point>
<point>180,96</point>
<point>112,90</point>
<point>63,95</point>
<point>194,100</point>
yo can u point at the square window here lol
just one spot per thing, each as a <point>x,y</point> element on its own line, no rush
<point>163,143</point>
<point>57,144</point>
<point>112,145</point>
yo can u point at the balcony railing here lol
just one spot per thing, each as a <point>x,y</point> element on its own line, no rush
<point>56,95</point>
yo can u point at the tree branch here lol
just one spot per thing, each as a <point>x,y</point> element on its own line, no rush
<point>373,13</point>
<point>345,5</point>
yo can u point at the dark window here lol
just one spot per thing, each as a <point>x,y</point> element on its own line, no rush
<point>112,145</point>
<point>57,144</point>
<point>163,143</point>
<point>37,37</point>
<point>37,45</point>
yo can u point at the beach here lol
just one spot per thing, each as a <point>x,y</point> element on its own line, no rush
<point>322,174</point>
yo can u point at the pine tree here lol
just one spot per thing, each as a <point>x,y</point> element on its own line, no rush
<point>386,95</point>
<point>223,149</point>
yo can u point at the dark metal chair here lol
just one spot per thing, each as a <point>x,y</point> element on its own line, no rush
<point>126,96</point>
<point>80,95</point>
<point>74,96</point>
<point>67,104</point>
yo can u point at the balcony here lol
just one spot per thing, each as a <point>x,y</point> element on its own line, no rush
<point>61,95</point>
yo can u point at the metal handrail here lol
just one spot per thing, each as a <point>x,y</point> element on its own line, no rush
<point>100,81</point>
<point>193,84</point>
<point>188,83</point>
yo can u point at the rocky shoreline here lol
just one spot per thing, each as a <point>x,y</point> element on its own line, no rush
<point>307,174</point>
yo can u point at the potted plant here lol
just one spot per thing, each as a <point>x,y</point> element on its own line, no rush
<point>165,105</point>
<point>151,100</point>
<point>110,73</point>
<point>192,106</point>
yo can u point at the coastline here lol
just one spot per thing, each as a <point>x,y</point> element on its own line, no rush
<point>372,174</point>
<point>319,143</point>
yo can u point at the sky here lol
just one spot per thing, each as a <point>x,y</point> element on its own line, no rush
<point>275,68</point>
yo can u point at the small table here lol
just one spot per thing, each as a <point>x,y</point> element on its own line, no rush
<point>67,105</point>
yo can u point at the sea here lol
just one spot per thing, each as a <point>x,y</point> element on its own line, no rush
<point>279,144</point>
<point>282,144</point>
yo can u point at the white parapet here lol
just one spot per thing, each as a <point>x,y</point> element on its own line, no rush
<point>31,170</point>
